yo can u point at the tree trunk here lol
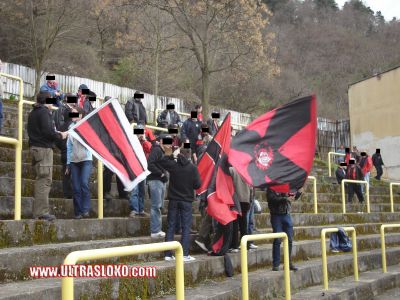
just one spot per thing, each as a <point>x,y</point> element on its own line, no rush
<point>205,92</point>
<point>38,74</point>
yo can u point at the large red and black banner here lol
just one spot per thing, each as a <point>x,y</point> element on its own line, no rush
<point>215,177</point>
<point>277,149</point>
<point>107,133</point>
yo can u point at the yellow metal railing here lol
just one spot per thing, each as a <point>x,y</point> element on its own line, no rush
<point>67,283</point>
<point>391,195</point>
<point>18,147</point>
<point>344,196</point>
<point>323,250</point>
<point>330,154</point>
<point>157,110</point>
<point>383,246</point>
<point>244,267</point>
<point>315,193</point>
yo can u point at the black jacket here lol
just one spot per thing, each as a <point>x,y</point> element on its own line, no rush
<point>213,125</point>
<point>41,129</point>
<point>191,130</point>
<point>354,172</point>
<point>377,160</point>
<point>278,203</point>
<point>135,111</point>
<point>184,178</point>
<point>340,175</point>
<point>153,162</point>
<point>162,118</point>
<point>61,117</point>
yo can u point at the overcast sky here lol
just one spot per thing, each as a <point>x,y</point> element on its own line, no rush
<point>389,8</point>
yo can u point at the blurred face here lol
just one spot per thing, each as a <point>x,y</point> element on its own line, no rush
<point>75,119</point>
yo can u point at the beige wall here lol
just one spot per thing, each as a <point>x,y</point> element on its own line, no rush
<point>374,107</point>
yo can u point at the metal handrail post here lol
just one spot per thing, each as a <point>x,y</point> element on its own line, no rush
<point>344,197</point>
<point>243,262</point>
<point>100,204</point>
<point>314,179</point>
<point>391,195</point>
<point>324,256</point>
<point>383,244</point>
<point>67,283</point>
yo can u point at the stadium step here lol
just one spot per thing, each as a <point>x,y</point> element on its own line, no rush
<point>204,269</point>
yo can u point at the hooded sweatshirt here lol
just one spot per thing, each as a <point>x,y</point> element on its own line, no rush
<point>184,178</point>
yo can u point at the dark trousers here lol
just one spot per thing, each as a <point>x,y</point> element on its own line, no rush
<point>379,172</point>
<point>185,210</point>
<point>107,177</point>
<point>66,179</point>
<point>354,188</point>
<point>281,223</point>
<point>240,224</point>
<point>80,173</point>
<point>206,227</point>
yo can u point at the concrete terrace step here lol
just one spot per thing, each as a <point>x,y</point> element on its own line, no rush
<point>32,232</point>
<point>15,262</point>
<point>63,208</point>
<point>265,284</point>
<point>372,285</point>
<point>7,154</point>
<point>198,272</point>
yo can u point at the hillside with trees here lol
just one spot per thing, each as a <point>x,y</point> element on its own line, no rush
<point>244,55</point>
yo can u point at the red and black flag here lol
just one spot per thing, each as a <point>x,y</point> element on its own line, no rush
<point>277,149</point>
<point>215,177</point>
<point>107,133</point>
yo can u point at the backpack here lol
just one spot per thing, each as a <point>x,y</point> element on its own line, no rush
<point>339,241</point>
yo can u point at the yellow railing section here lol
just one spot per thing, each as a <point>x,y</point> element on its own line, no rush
<point>391,195</point>
<point>244,266</point>
<point>383,246</point>
<point>67,283</point>
<point>315,193</point>
<point>330,154</point>
<point>18,147</point>
<point>158,110</point>
<point>323,250</point>
<point>344,196</point>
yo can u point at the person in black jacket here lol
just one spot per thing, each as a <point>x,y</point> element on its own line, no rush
<point>341,172</point>
<point>354,172</point>
<point>62,121</point>
<point>156,181</point>
<point>191,133</point>
<point>184,179</point>
<point>279,205</point>
<point>135,110</point>
<point>42,135</point>
<point>378,163</point>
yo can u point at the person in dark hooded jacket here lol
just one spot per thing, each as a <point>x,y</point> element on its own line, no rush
<point>135,110</point>
<point>184,180</point>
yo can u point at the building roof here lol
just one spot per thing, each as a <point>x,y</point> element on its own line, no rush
<point>379,74</point>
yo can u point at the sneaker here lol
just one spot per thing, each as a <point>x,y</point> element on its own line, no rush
<point>201,245</point>
<point>335,251</point>
<point>252,246</point>
<point>275,268</point>
<point>86,215</point>
<point>47,217</point>
<point>233,250</point>
<point>78,217</point>
<point>133,214</point>
<point>160,234</point>
<point>293,268</point>
<point>108,196</point>
<point>143,214</point>
<point>188,258</point>
<point>169,258</point>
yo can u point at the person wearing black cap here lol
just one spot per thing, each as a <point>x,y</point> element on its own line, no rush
<point>42,135</point>
<point>341,172</point>
<point>378,163</point>
<point>135,110</point>
<point>191,133</point>
<point>354,173</point>
<point>213,123</point>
